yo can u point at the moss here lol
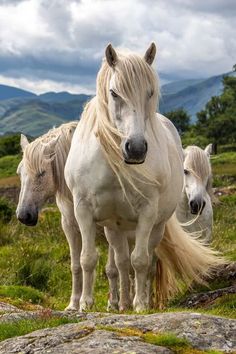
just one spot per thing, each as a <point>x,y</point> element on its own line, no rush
<point>168,340</point>
<point>19,328</point>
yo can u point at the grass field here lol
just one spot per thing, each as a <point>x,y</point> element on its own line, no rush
<point>35,262</point>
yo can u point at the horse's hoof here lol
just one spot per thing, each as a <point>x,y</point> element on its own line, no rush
<point>140,306</point>
<point>112,306</point>
<point>71,308</point>
<point>86,305</point>
<point>125,307</point>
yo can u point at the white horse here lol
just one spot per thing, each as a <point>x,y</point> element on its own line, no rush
<point>42,176</point>
<point>197,192</point>
<point>125,172</point>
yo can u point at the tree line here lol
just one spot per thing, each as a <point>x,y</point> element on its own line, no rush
<point>216,123</point>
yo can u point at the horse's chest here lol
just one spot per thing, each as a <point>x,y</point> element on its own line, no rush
<point>110,205</point>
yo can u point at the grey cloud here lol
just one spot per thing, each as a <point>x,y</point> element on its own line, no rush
<point>191,40</point>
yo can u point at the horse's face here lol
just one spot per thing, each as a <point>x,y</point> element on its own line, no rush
<point>195,186</point>
<point>195,190</point>
<point>36,188</point>
<point>130,115</point>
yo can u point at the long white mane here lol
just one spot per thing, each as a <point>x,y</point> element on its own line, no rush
<point>133,78</point>
<point>38,154</point>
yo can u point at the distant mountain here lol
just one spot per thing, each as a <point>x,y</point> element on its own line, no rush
<point>176,86</point>
<point>192,98</point>
<point>34,115</point>
<point>62,97</point>
<point>9,92</point>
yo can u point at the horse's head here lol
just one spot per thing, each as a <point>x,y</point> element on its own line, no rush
<point>197,177</point>
<point>131,94</point>
<point>37,180</point>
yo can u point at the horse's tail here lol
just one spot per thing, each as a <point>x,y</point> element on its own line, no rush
<point>182,259</point>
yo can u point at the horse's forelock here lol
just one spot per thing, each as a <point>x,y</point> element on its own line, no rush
<point>197,161</point>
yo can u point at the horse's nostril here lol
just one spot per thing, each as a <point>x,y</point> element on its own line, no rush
<point>203,205</point>
<point>127,146</point>
<point>145,145</point>
<point>28,217</point>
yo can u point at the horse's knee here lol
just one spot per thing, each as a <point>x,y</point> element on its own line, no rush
<point>111,272</point>
<point>140,262</point>
<point>123,263</point>
<point>88,261</point>
<point>75,269</point>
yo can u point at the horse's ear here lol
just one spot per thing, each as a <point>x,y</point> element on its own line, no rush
<point>49,150</point>
<point>150,53</point>
<point>209,149</point>
<point>111,55</point>
<point>23,142</point>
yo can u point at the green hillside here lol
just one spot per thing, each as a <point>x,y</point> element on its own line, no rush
<point>193,98</point>
<point>35,117</point>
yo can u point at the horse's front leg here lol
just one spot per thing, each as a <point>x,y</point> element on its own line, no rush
<point>119,243</point>
<point>88,259</point>
<point>72,232</point>
<point>112,275</point>
<point>141,259</point>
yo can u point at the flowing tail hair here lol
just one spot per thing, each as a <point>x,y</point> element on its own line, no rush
<point>182,258</point>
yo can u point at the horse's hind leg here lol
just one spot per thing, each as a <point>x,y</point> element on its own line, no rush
<point>112,275</point>
<point>119,243</point>
<point>71,230</point>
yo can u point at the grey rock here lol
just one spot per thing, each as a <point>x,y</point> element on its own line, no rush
<point>73,338</point>
<point>202,331</point>
<point>4,307</point>
<point>28,315</point>
<point>93,334</point>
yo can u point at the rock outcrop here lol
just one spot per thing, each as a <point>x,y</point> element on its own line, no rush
<point>113,333</point>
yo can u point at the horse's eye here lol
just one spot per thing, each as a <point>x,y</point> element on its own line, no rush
<point>41,174</point>
<point>186,172</point>
<point>113,94</point>
<point>150,94</point>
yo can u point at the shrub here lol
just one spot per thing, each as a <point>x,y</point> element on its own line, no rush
<point>6,210</point>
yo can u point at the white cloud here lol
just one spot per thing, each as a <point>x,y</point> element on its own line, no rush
<point>68,37</point>
<point>40,86</point>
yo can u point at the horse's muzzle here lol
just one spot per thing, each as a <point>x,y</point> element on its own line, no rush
<point>29,219</point>
<point>135,150</point>
<point>197,206</point>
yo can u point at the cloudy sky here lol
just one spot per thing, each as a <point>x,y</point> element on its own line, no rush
<point>55,45</point>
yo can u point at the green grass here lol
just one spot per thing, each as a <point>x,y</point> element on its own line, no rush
<point>22,292</point>
<point>224,169</point>
<point>224,233</point>
<point>168,340</point>
<point>19,328</point>
<point>39,258</point>
<point>8,165</point>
